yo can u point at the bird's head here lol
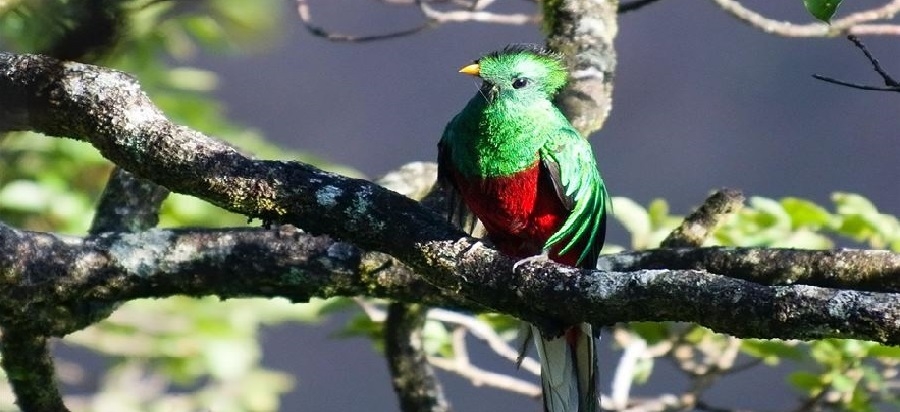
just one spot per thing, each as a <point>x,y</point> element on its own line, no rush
<point>521,72</point>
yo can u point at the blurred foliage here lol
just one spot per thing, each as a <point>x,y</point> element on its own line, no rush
<point>183,354</point>
<point>843,374</point>
<point>176,354</point>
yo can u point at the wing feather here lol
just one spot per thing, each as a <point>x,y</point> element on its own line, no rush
<point>570,162</point>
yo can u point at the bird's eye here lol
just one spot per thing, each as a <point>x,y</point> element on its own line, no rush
<point>519,83</point>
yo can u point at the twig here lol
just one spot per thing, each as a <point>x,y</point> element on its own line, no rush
<point>461,366</point>
<point>891,85</point>
<point>318,31</point>
<point>635,350</point>
<point>484,333</point>
<point>697,226</point>
<point>851,24</point>
<point>474,15</point>
<point>625,7</point>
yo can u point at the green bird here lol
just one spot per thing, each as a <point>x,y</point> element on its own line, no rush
<point>512,159</point>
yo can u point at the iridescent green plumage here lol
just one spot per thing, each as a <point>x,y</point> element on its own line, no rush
<point>504,130</point>
<point>516,163</point>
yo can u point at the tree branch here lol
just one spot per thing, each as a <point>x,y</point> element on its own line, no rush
<point>298,266</point>
<point>864,270</point>
<point>413,379</point>
<point>107,109</point>
<point>855,23</point>
<point>583,31</point>
<point>26,359</point>
<point>128,204</point>
<point>697,226</point>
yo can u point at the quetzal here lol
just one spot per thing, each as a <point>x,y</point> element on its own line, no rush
<point>512,159</point>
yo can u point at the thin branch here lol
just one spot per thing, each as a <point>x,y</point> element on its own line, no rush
<point>625,7</point>
<point>481,377</point>
<point>485,333</point>
<point>477,15</point>
<point>318,31</point>
<point>697,226</point>
<point>852,24</point>
<point>623,377</point>
<point>872,270</point>
<point>891,85</point>
<point>413,379</point>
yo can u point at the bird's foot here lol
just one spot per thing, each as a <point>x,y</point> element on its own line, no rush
<point>543,257</point>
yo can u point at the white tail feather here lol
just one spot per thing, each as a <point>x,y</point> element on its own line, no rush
<point>567,371</point>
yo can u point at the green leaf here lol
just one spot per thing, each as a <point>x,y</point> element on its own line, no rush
<point>771,351</point>
<point>853,204</point>
<point>643,369</point>
<point>842,383</point>
<point>25,196</point>
<point>884,351</point>
<point>631,215</point>
<point>652,332</point>
<point>436,339</point>
<point>805,213</point>
<point>807,382</point>
<point>822,9</point>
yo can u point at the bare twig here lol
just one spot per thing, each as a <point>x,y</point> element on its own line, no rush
<point>483,332</point>
<point>468,11</point>
<point>891,85</point>
<point>477,15</point>
<point>697,226</point>
<point>625,7</point>
<point>318,31</point>
<point>623,377</point>
<point>855,23</point>
<point>462,366</point>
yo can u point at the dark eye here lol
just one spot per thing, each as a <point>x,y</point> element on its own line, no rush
<point>519,83</point>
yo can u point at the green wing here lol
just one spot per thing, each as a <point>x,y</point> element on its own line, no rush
<point>571,165</point>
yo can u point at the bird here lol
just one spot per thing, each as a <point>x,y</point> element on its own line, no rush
<point>511,159</point>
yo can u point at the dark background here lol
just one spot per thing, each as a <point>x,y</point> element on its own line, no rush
<point>701,101</point>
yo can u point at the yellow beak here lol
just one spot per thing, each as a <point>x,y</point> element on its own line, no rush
<point>474,69</point>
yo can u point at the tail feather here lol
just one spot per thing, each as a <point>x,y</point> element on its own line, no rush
<point>568,370</point>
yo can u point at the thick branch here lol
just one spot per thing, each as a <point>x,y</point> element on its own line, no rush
<point>107,109</point>
<point>299,266</point>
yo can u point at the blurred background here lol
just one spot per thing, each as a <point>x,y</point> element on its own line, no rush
<point>701,102</point>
